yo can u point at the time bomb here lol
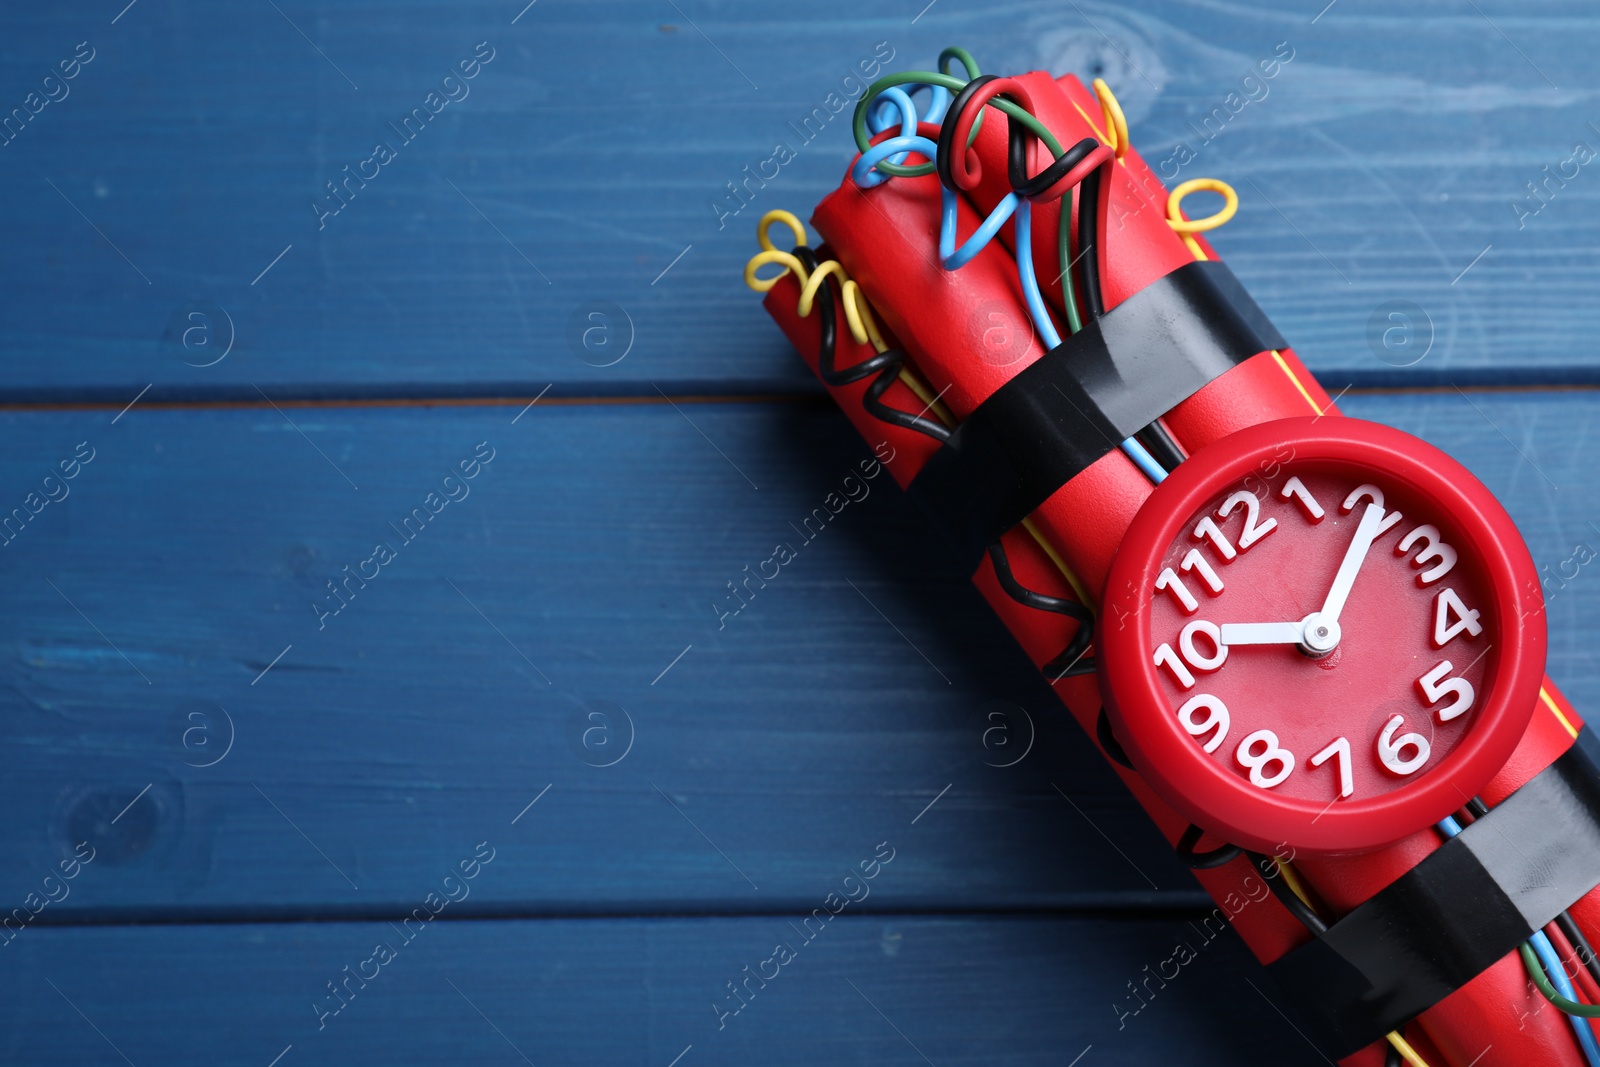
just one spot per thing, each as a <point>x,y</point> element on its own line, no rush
<point>1312,647</point>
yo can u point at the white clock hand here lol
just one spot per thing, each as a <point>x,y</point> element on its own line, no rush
<point>1261,633</point>
<point>1366,533</point>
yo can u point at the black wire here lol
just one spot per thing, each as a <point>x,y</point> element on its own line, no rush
<point>947,130</point>
<point>1108,740</point>
<point>1478,808</point>
<point>1203,861</point>
<point>1580,944</point>
<point>1089,194</point>
<point>1159,443</point>
<point>1393,1058</point>
<point>1072,660</point>
<point>886,365</point>
<point>1286,896</point>
<point>1017,161</point>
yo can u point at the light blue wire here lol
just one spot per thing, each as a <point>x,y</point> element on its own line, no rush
<point>863,174</point>
<point>1558,978</point>
<point>894,100</point>
<point>1030,282</point>
<point>1552,968</point>
<point>952,258</point>
<point>1144,461</point>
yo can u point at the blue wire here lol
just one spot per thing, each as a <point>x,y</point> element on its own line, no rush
<point>1552,968</point>
<point>894,100</point>
<point>1030,283</point>
<point>1558,978</point>
<point>1144,461</point>
<point>953,258</point>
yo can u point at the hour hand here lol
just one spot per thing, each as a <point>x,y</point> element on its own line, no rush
<point>1261,633</point>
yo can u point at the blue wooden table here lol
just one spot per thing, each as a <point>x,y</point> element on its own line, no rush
<point>361,603</point>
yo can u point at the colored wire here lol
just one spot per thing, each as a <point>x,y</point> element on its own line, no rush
<point>1108,740</point>
<point>884,365</point>
<point>1538,971</point>
<point>1187,228</point>
<point>1544,967</point>
<point>895,99</point>
<point>888,364</point>
<point>1293,897</point>
<point>764,239</point>
<point>1158,441</point>
<point>1403,1047</point>
<point>1580,945</point>
<point>1116,122</point>
<point>875,166</point>
<point>1030,284</point>
<point>1549,965</point>
<point>1294,901</point>
<point>1582,980</point>
<point>1072,660</point>
<point>1203,861</point>
<point>925,77</point>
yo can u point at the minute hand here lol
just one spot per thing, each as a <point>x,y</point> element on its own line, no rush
<point>1366,533</point>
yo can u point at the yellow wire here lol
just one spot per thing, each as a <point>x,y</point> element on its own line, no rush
<point>1187,228</point>
<point>1292,880</point>
<point>864,328</point>
<point>761,259</point>
<point>1116,122</point>
<point>785,217</point>
<point>1175,217</point>
<point>1402,1046</point>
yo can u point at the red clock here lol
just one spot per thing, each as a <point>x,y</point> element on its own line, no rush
<point>1320,632</point>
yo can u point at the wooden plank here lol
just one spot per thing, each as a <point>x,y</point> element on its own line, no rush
<point>891,990</point>
<point>589,553</point>
<point>179,176</point>
<point>847,703</point>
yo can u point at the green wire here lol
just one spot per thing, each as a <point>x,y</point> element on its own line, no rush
<point>897,170</point>
<point>1542,980</point>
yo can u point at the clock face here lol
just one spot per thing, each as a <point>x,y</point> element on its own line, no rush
<point>1323,633</point>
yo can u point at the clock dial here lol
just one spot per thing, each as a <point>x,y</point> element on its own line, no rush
<point>1318,633</point>
<point>1327,632</point>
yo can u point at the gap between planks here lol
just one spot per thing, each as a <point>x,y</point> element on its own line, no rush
<point>658,399</point>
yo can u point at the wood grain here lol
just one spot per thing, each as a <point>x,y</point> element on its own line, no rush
<point>826,715</point>
<point>585,159</point>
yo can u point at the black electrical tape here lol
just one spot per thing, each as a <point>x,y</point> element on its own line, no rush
<point>1101,385</point>
<point>1442,923</point>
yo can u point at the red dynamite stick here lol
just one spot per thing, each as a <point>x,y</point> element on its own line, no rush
<point>1139,246</point>
<point>907,450</point>
<point>967,333</point>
